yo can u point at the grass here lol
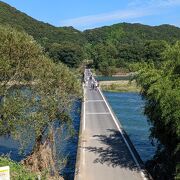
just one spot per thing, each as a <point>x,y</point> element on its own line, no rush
<point>17,171</point>
<point>119,86</point>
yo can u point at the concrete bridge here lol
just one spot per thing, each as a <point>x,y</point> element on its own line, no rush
<point>105,152</point>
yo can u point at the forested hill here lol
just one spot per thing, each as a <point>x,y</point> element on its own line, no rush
<point>127,33</point>
<point>117,46</point>
<point>46,33</point>
<point>63,44</point>
<point>42,32</point>
<point>110,46</point>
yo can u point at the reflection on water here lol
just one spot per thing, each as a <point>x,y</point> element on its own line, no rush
<point>128,107</point>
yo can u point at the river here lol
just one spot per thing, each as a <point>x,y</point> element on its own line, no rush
<point>129,108</point>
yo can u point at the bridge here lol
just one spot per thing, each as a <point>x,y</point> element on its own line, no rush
<point>105,152</point>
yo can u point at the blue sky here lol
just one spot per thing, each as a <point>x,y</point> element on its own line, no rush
<point>86,14</point>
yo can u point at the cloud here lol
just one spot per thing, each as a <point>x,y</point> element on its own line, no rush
<point>135,9</point>
<point>111,16</point>
<point>167,3</point>
<point>153,3</point>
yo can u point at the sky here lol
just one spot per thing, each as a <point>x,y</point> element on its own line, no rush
<point>88,14</point>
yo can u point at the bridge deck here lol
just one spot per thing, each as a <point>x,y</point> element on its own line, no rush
<point>105,153</point>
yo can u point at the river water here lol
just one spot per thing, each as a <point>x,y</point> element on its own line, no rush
<point>128,107</point>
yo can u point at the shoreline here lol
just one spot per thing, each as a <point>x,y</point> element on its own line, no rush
<point>120,86</point>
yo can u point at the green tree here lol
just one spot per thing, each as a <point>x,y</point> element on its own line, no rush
<point>153,50</point>
<point>161,89</point>
<point>34,93</point>
<point>70,54</point>
<point>104,58</point>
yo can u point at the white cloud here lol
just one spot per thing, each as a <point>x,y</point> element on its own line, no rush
<point>111,16</point>
<point>135,3</point>
<point>153,3</point>
<point>135,9</point>
<point>170,2</point>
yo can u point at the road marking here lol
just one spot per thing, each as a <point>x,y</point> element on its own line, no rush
<point>127,144</point>
<point>95,101</point>
<point>98,113</point>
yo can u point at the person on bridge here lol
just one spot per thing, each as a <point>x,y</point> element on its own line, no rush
<point>92,85</point>
<point>86,83</point>
<point>96,85</point>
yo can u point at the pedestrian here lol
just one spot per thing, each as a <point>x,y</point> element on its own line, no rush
<point>96,85</point>
<point>92,85</point>
<point>86,84</point>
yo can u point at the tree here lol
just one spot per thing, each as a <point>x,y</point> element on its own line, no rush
<point>70,54</point>
<point>104,58</point>
<point>153,50</point>
<point>161,89</point>
<point>34,93</point>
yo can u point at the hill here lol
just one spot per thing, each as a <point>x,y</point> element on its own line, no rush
<point>63,44</point>
<point>110,47</point>
<point>42,32</point>
<point>119,45</point>
<point>130,33</point>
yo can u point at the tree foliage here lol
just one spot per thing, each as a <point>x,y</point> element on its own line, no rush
<point>45,34</point>
<point>123,44</point>
<point>34,93</point>
<point>161,89</point>
<point>68,53</point>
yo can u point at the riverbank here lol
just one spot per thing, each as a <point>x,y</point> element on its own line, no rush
<point>119,86</point>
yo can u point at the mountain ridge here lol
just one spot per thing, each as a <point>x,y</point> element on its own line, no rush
<point>120,43</point>
<point>9,10</point>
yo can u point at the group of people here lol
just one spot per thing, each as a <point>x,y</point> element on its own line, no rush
<point>89,80</point>
<point>94,84</point>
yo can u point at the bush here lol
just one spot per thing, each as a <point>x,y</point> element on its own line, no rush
<point>17,171</point>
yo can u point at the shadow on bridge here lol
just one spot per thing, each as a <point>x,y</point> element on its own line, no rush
<point>113,151</point>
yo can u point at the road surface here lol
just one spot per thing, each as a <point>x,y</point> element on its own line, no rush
<point>104,151</point>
